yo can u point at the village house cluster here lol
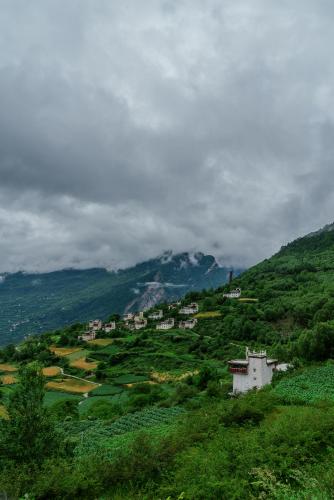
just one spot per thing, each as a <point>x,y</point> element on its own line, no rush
<point>137,321</point>
<point>95,326</point>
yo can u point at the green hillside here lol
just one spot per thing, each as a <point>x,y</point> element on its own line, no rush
<point>148,413</point>
<point>33,303</point>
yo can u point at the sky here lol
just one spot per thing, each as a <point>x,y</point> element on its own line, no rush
<point>128,128</point>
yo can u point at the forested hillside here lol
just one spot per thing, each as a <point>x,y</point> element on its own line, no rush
<point>148,413</point>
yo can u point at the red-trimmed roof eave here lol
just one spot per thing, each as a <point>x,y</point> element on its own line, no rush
<point>238,362</point>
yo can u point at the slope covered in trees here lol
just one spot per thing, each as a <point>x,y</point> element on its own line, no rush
<point>159,421</point>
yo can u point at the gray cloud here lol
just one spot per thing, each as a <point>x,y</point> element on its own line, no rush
<point>127,128</point>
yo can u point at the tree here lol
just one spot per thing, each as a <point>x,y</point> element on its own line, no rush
<point>29,435</point>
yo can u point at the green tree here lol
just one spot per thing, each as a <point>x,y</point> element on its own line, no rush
<point>29,435</point>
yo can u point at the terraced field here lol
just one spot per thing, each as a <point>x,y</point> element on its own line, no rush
<point>51,371</point>
<point>83,364</point>
<point>71,385</point>
<point>8,379</point>
<point>4,367</point>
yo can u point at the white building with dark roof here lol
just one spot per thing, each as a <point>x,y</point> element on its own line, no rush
<point>189,309</point>
<point>156,314</point>
<point>166,325</point>
<point>95,324</point>
<point>188,324</point>
<point>233,294</point>
<point>108,327</point>
<point>253,372</point>
<point>87,336</point>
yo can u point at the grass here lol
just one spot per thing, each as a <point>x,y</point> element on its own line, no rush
<point>106,390</point>
<point>129,379</point>
<point>245,299</point>
<point>71,385</point>
<point>3,412</point>
<point>8,379</point>
<point>52,397</point>
<point>64,351</point>
<point>100,342</point>
<point>88,402</point>
<point>51,371</point>
<point>82,364</point>
<point>208,314</point>
<point>82,353</point>
<point>162,377</point>
<point>4,367</point>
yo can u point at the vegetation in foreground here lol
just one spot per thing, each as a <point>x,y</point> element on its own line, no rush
<point>160,422</point>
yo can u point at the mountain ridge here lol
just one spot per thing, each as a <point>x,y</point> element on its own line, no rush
<point>36,302</point>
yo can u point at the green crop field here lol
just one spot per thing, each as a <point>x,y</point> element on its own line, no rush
<point>52,397</point>
<point>130,379</point>
<point>83,353</point>
<point>314,384</point>
<point>106,390</point>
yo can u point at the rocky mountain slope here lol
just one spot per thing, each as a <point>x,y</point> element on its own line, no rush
<point>31,303</point>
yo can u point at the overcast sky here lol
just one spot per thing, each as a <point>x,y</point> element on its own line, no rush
<point>129,127</point>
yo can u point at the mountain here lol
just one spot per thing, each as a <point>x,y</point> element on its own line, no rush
<point>160,421</point>
<point>31,303</point>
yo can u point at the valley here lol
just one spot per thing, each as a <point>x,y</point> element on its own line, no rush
<point>138,397</point>
<point>34,303</point>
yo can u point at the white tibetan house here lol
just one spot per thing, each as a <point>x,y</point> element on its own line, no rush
<point>166,325</point>
<point>108,327</point>
<point>95,325</point>
<point>253,372</point>
<point>189,309</point>
<point>156,314</point>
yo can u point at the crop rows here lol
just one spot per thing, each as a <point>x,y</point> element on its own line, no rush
<point>92,436</point>
<point>314,384</point>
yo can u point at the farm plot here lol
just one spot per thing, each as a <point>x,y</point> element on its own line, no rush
<point>52,397</point>
<point>106,390</point>
<point>64,351</point>
<point>8,379</point>
<point>51,371</point>
<point>132,422</point>
<point>83,364</point>
<point>5,367</point>
<point>129,379</point>
<point>71,385</point>
<point>100,342</point>
<point>314,384</point>
<point>81,353</point>
<point>208,314</point>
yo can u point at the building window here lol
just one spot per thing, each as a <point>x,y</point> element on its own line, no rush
<point>254,369</point>
<point>254,378</point>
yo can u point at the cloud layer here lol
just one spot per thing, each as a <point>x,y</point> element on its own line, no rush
<point>129,127</point>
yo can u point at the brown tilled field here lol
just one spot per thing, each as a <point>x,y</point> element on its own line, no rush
<point>51,371</point>
<point>64,351</point>
<point>82,364</point>
<point>71,385</point>
<point>8,379</point>
<point>4,367</point>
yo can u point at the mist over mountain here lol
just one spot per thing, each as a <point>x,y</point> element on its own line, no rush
<point>32,303</point>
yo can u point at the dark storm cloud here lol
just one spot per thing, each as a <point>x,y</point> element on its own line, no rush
<point>130,127</point>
